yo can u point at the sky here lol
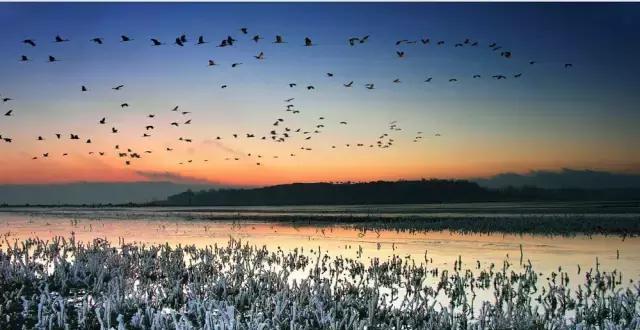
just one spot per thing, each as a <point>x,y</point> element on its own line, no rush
<point>552,117</point>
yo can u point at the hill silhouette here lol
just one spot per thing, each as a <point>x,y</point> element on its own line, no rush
<point>386,192</point>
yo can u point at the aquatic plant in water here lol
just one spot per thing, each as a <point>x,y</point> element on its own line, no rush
<point>67,284</point>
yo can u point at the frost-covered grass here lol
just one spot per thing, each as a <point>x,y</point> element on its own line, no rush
<point>64,283</point>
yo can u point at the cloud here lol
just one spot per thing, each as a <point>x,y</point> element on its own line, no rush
<point>565,178</point>
<point>223,147</point>
<point>173,177</point>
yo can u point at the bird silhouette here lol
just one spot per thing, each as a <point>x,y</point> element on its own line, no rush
<point>179,42</point>
<point>260,56</point>
<point>156,42</point>
<point>98,41</point>
<point>400,54</point>
<point>201,40</point>
<point>307,42</point>
<point>30,42</point>
<point>348,84</point>
<point>60,39</point>
<point>279,40</point>
<point>124,105</point>
<point>568,65</point>
<point>52,59</point>
<point>256,38</point>
<point>103,121</point>
<point>124,38</point>
<point>117,88</point>
<point>235,65</point>
<point>24,58</point>
<point>244,30</point>
<point>8,113</point>
<point>83,88</point>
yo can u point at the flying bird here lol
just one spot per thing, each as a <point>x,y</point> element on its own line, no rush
<point>279,40</point>
<point>30,42</point>
<point>124,38</point>
<point>117,88</point>
<point>307,42</point>
<point>60,39</point>
<point>201,40</point>
<point>348,84</point>
<point>24,58</point>
<point>156,42</point>
<point>98,41</point>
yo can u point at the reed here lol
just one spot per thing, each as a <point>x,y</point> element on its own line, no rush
<point>67,284</point>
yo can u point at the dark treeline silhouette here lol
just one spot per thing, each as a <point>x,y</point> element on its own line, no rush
<point>384,192</point>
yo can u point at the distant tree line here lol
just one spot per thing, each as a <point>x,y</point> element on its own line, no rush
<point>385,192</point>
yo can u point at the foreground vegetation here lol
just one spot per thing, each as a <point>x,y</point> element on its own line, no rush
<point>65,284</point>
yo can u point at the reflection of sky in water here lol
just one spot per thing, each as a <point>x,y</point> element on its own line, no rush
<point>441,249</point>
<point>545,253</point>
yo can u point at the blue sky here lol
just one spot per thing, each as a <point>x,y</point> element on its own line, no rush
<point>585,117</point>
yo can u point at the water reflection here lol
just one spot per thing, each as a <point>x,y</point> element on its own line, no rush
<point>443,248</point>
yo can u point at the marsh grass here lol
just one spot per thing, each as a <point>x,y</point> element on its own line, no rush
<point>67,284</point>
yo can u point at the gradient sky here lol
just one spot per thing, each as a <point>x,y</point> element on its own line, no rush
<point>552,117</point>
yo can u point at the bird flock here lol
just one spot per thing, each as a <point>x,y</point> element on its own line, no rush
<point>280,131</point>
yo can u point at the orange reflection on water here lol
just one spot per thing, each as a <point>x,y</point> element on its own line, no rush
<point>546,253</point>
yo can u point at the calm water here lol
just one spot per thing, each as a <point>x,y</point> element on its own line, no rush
<point>188,226</point>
